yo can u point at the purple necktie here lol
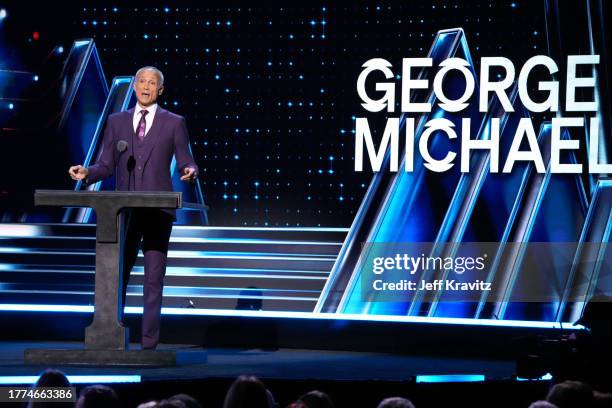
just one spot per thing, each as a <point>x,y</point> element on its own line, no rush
<point>142,125</point>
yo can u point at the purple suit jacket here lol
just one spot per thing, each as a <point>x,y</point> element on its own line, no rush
<point>167,137</point>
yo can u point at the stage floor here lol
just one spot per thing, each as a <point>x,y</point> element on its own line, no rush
<point>198,363</point>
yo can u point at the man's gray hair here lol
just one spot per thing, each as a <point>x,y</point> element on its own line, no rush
<point>150,68</point>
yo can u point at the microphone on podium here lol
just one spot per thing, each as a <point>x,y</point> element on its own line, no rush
<point>122,146</point>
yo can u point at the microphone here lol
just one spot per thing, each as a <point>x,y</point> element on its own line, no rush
<point>122,146</point>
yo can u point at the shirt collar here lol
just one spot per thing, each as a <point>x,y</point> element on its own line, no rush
<point>152,109</point>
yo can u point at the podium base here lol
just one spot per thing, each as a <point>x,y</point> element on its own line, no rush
<point>85,357</point>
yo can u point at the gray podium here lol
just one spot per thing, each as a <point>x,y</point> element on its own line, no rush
<point>106,339</point>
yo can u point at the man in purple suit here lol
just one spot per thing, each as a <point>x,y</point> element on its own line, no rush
<point>139,144</point>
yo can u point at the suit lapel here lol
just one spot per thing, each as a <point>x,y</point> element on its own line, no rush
<point>128,120</point>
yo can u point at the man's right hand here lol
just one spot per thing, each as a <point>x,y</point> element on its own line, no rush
<point>78,172</point>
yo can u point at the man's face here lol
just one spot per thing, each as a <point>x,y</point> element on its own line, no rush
<point>147,88</point>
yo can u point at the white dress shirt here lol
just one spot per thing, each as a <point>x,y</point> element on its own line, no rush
<point>149,118</point>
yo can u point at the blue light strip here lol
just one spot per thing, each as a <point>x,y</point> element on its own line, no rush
<point>249,255</point>
<point>186,240</point>
<point>248,241</point>
<point>190,254</point>
<point>239,275</point>
<point>80,43</point>
<point>74,379</point>
<point>46,308</point>
<point>92,238</point>
<point>16,250</point>
<point>304,315</point>
<point>20,230</point>
<point>50,292</point>
<point>5,267</point>
<point>13,250</point>
<point>35,230</point>
<point>183,271</point>
<point>189,292</point>
<point>545,377</point>
<point>237,272</point>
<point>450,378</point>
<point>284,229</point>
<point>231,293</point>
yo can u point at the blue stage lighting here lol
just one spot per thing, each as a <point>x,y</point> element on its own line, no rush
<point>302,315</point>
<point>74,379</point>
<point>545,377</point>
<point>2,14</point>
<point>451,378</point>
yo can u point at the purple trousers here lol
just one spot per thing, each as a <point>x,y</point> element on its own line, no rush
<point>149,228</point>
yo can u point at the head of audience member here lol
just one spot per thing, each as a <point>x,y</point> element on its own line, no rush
<point>571,394</point>
<point>395,402</point>
<point>542,404</point>
<point>148,404</point>
<point>97,396</point>
<point>316,399</point>
<point>602,400</point>
<point>247,392</point>
<point>297,404</point>
<point>170,404</point>
<point>271,401</point>
<point>187,400</point>
<point>52,378</point>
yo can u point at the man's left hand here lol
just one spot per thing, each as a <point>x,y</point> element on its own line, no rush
<point>189,174</point>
